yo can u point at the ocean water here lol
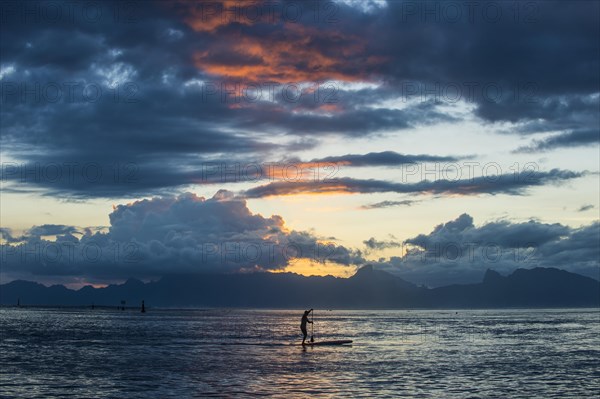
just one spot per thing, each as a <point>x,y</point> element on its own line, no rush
<point>80,353</point>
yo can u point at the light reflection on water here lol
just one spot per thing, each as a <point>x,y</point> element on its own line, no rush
<point>194,353</point>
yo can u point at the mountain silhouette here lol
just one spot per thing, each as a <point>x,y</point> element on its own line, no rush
<point>539,287</point>
<point>368,288</point>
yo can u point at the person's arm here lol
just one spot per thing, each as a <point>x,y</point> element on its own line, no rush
<point>310,321</point>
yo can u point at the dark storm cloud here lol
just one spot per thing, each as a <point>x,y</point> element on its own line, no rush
<point>351,122</point>
<point>512,184</point>
<point>503,233</point>
<point>579,252</point>
<point>459,252</point>
<point>508,57</point>
<point>108,103</point>
<point>164,235</point>
<point>159,140</point>
<point>144,57</point>
<point>497,45</point>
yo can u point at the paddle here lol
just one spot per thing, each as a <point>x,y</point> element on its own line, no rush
<point>312,327</point>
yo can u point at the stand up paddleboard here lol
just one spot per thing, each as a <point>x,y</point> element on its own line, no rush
<point>323,343</point>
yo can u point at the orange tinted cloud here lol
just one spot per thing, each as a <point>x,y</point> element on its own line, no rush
<point>208,16</point>
<point>331,108</point>
<point>306,187</point>
<point>294,56</point>
<point>302,171</point>
<point>505,183</point>
<point>291,53</point>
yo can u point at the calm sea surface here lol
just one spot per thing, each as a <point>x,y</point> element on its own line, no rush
<point>228,353</point>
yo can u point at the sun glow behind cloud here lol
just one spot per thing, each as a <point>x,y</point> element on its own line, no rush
<point>307,267</point>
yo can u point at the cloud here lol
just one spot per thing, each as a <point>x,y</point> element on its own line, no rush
<point>7,236</point>
<point>166,235</point>
<point>377,245</point>
<point>162,89</point>
<point>388,204</point>
<point>502,53</point>
<point>295,53</point>
<point>512,184</point>
<point>585,208</point>
<point>79,177</point>
<point>276,44</point>
<point>385,158</point>
<point>576,138</point>
<point>458,251</point>
<point>503,233</point>
<point>51,230</point>
<point>190,234</point>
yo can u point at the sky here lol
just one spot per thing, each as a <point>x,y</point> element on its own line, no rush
<point>433,140</point>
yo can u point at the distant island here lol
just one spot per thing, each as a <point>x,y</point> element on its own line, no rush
<point>367,289</point>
